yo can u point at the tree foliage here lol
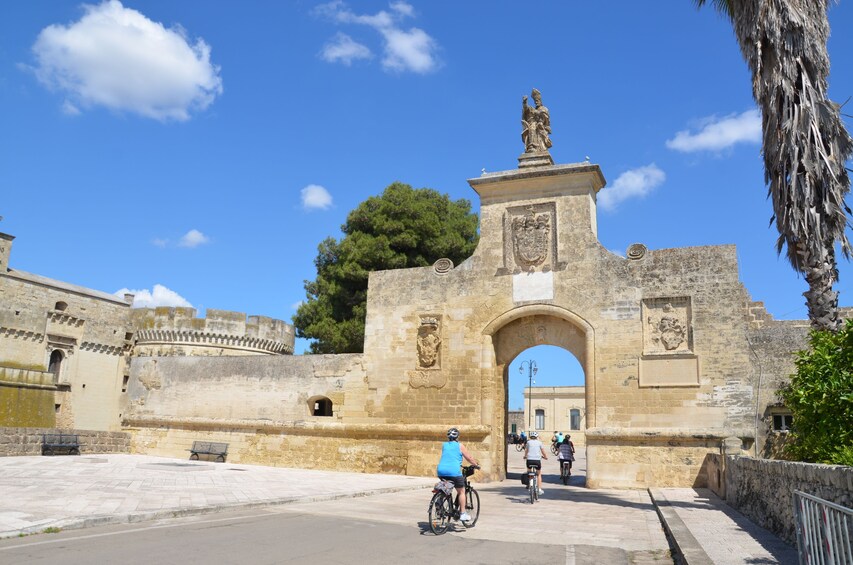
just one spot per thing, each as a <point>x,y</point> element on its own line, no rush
<point>820,397</point>
<point>404,227</point>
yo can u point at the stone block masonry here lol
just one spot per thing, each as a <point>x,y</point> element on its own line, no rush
<point>28,441</point>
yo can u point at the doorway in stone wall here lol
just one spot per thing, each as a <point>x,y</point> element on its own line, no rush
<point>554,348</point>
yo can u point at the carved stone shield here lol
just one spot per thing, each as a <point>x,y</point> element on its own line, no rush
<point>530,239</point>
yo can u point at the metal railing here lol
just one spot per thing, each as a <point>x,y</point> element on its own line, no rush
<point>824,531</point>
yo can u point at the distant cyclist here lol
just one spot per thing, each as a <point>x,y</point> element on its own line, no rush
<point>557,439</point>
<point>449,467</point>
<point>534,453</point>
<point>567,452</point>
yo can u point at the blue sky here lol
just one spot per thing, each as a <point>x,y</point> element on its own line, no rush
<point>198,151</point>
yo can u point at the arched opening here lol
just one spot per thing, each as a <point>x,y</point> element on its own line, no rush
<point>521,335</point>
<point>55,365</point>
<point>320,406</point>
<point>546,384</point>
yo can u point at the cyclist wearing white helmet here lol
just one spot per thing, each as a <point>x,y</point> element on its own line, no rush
<point>534,452</point>
<point>449,466</point>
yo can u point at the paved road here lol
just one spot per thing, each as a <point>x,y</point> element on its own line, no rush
<point>587,526</point>
<point>267,536</point>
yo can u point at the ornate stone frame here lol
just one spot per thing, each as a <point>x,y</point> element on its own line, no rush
<point>549,210</point>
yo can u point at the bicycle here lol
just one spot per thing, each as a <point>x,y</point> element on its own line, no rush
<point>443,507</point>
<point>566,471</point>
<point>520,445</point>
<point>555,448</point>
<point>532,485</point>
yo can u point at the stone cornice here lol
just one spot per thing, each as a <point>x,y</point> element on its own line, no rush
<point>311,427</point>
<point>15,333</point>
<point>208,339</point>
<point>103,348</point>
<point>60,317</point>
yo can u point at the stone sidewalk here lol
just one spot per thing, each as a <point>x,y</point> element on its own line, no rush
<point>617,526</point>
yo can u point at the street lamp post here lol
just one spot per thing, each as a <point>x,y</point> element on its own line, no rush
<point>531,370</point>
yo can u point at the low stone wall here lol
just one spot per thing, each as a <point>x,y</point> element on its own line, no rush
<point>762,489</point>
<point>27,441</point>
<point>402,449</point>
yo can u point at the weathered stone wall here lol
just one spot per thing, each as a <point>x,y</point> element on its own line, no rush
<point>773,345</point>
<point>166,331</point>
<point>762,489</point>
<point>262,407</point>
<point>88,330</point>
<point>27,398</point>
<point>17,441</point>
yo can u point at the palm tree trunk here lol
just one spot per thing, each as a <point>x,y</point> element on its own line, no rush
<point>805,143</point>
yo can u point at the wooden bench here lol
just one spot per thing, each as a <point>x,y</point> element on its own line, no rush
<point>217,450</point>
<point>51,443</point>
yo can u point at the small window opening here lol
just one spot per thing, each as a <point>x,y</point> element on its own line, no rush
<point>575,419</point>
<point>57,408</point>
<point>124,382</point>
<point>540,419</point>
<point>61,306</point>
<point>128,336</point>
<point>782,422</point>
<point>322,407</point>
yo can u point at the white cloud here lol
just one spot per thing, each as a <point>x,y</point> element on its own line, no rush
<point>345,50</point>
<point>70,109</point>
<point>719,133</point>
<point>160,242</point>
<point>315,197</point>
<point>193,238</point>
<point>633,183</point>
<point>159,296</point>
<point>117,58</point>
<point>404,50</point>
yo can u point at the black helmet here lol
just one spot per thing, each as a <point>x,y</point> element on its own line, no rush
<point>453,434</point>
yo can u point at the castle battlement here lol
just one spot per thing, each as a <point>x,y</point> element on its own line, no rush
<point>177,331</point>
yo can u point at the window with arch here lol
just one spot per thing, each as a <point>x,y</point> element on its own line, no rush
<point>320,406</point>
<point>55,364</point>
<point>575,419</point>
<point>61,306</point>
<point>540,419</point>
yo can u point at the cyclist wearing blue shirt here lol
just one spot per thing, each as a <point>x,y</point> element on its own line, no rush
<point>449,467</point>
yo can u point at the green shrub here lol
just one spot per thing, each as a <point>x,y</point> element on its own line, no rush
<point>820,397</point>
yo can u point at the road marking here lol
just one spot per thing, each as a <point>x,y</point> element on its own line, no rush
<point>134,530</point>
<point>570,555</point>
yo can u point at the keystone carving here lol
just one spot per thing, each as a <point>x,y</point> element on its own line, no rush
<point>427,379</point>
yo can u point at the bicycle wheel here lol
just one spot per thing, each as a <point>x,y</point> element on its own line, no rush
<point>554,449</point>
<point>531,488</point>
<point>472,506</point>
<point>519,447</point>
<point>564,473</point>
<point>440,512</point>
<point>535,489</point>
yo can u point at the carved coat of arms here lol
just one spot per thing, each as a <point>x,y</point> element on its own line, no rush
<point>530,239</point>
<point>429,343</point>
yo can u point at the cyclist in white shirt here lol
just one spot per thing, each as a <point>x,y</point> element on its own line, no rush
<point>534,453</point>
